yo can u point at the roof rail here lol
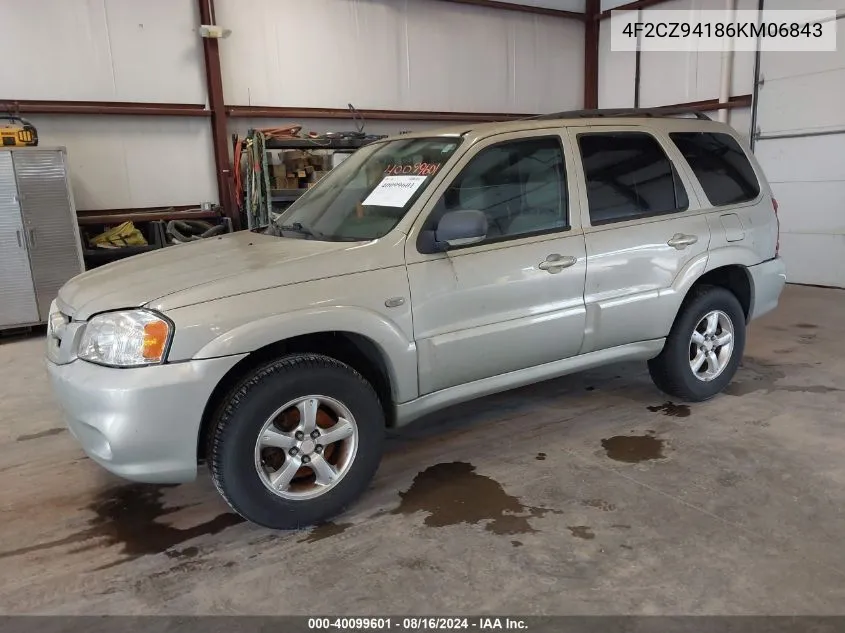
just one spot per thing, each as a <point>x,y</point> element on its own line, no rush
<point>628,112</point>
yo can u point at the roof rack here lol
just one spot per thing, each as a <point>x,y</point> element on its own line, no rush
<point>628,112</point>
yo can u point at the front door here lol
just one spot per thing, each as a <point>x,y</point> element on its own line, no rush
<point>514,300</point>
<point>644,229</point>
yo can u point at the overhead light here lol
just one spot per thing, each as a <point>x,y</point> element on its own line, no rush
<point>212,31</point>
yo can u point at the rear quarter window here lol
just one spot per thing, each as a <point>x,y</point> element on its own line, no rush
<point>721,166</point>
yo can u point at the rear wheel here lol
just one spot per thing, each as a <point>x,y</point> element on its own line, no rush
<point>704,348</point>
<point>298,441</point>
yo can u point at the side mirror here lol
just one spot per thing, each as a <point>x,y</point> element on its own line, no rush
<point>461,228</point>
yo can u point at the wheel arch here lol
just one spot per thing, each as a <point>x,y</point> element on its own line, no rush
<point>733,277</point>
<point>351,348</point>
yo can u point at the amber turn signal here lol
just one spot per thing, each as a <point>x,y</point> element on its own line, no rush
<point>155,340</point>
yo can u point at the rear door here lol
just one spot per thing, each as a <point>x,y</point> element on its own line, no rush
<point>644,228</point>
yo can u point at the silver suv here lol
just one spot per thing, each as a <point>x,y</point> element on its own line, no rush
<point>426,270</point>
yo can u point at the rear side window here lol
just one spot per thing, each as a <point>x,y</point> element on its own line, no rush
<point>629,176</point>
<point>721,166</point>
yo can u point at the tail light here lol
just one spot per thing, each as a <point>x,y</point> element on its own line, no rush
<point>777,219</point>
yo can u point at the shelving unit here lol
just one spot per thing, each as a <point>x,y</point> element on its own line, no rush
<point>345,145</point>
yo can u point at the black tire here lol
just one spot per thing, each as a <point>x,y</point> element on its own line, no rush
<point>671,371</point>
<point>233,436</point>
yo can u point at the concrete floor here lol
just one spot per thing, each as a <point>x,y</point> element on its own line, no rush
<point>585,495</point>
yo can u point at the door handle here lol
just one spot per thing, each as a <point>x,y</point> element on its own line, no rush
<point>556,263</point>
<point>681,241</point>
<point>20,242</point>
<point>32,238</point>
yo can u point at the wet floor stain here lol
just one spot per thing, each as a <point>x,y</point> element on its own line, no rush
<point>808,389</point>
<point>754,376</point>
<point>672,410</point>
<point>516,543</point>
<point>128,517</point>
<point>623,546</point>
<point>582,531</point>
<point>540,457</point>
<point>633,449</point>
<point>325,530</point>
<point>759,377</point>
<point>40,434</point>
<point>452,493</point>
<point>188,552</point>
<point>599,504</point>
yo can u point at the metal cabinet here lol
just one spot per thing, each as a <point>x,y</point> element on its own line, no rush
<point>39,238</point>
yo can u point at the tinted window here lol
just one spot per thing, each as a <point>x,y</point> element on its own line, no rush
<point>629,176</point>
<point>519,185</point>
<point>721,167</point>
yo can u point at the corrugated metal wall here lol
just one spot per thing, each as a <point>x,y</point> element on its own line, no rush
<point>668,79</point>
<point>383,54</point>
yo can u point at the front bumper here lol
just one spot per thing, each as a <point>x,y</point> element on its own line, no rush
<point>141,423</point>
<point>769,279</point>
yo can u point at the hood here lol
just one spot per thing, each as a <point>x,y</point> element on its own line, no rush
<point>208,269</point>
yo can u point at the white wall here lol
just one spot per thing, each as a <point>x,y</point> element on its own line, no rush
<point>379,54</point>
<point>805,93</point>
<point>672,78</point>
<point>102,50</point>
<point>115,50</point>
<point>399,54</point>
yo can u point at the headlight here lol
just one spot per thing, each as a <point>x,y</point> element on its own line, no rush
<point>125,339</point>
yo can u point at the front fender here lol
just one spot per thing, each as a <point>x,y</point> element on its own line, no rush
<point>398,352</point>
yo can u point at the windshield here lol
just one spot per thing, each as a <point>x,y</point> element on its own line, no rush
<point>365,196</point>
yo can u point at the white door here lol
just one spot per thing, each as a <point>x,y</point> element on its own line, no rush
<point>801,147</point>
<point>643,228</point>
<point>501,305</point>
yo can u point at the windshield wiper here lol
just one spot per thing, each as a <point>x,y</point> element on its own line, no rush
<point>297,227</point>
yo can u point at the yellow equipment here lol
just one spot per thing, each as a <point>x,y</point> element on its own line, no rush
<point>17,132</point>
<point>122,235</point>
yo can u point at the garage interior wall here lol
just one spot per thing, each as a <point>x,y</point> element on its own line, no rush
<point>416,55</point>
<point>801,97</point>
<point>669,79</point>
<point>801,144</point>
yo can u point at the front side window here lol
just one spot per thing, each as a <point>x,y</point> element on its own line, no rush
<point>519,185</point>
<point>721,166</point>
<point>629,176</point>
<point>368,193</point>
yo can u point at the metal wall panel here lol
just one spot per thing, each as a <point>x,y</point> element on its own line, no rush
<point>49,222</point>
<point>124,162</point>
<point>402,54</point>
<point>803,96</point>
<point>17,293</point>
<point>103,50</point>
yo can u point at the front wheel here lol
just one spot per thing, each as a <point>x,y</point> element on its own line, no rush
<point>297,441</point>
<point>704,348</point>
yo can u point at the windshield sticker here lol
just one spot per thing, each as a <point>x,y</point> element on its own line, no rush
<point>417,169</point>
<point>394,191</point>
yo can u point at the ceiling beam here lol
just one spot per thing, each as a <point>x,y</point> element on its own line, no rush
<point>24,106</point>
<point>271,112</point>
<point>522,8</point>
<point>631,6</point>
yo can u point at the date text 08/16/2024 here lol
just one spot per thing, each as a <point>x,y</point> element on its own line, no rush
<point>416,624</point>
